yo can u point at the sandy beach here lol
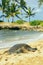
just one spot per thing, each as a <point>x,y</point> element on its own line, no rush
<point>28,58</point>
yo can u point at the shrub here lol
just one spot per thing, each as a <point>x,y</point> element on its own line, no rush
<point>35,22</point>
<point>41,24</point>
<point>20,21</point>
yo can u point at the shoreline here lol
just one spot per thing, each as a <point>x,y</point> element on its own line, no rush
<point>25,41</point>
<point>16,26</point>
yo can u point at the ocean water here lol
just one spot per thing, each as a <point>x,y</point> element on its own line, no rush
<point>8,38</point>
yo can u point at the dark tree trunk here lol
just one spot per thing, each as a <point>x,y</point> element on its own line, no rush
<point>29,18</point>
<point>8,20</point>
<point>3,18</point>
<point>12,19</point>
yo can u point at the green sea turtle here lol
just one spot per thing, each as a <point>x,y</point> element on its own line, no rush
<point>20,48</point>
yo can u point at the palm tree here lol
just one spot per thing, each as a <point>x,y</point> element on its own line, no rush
<point>22,4</point>
<point>4,6</point>
<point>17,1</point>
<point>7,12</point>
<point>40,2</point>
<point>12,11</point>
<point>8,16</point>
<point>2,16</point>
<point>30,13</point>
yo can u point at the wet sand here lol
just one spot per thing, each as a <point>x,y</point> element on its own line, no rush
<point>28,58</point>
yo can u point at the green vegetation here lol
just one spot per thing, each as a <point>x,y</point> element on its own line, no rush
<point>12,8</point>
<point>40,2</point>
<point>36,23</point>
<point>20,21</point>
<point>41,24</point>
<point>32,23</point>
<point>30,12</point>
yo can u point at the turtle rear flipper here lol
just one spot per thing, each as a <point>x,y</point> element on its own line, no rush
<point>33,49</point>
<point>29,48</point>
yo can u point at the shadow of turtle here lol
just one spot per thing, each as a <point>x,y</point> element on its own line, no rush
<point>19,48</point>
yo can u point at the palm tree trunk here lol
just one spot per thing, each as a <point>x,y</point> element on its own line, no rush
<point>8,20</point>
<point>29,18</point>
<point>3,18</point>
<point>12,19</point>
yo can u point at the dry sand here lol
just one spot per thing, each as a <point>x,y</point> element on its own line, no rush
<point>29,58</point>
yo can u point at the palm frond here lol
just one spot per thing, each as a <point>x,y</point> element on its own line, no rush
<point>18,17</point>
<point>26,16</point>
<point>2,16</point>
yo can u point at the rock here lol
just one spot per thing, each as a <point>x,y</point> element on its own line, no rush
<point>14,28</point>
<point>0,27</point>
